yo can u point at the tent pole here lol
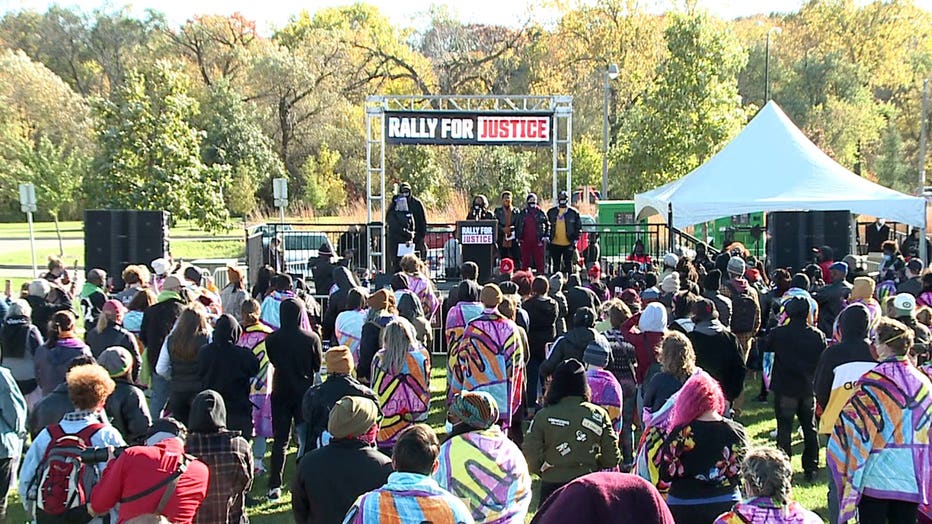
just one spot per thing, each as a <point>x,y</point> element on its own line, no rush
<point>671,240</point>
<point>923,242</point>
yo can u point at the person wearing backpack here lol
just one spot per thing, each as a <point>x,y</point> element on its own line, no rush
<point>157,481</point>
<point>12,432</point>
<point>745,306</point>
<point>51,469</point>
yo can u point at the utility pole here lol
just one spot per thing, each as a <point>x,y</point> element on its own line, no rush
<point>609,74</point>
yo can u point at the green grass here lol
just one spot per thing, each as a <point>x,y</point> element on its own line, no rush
<point>74,251</point>
<point>72,228</point>
<point>757,418</point>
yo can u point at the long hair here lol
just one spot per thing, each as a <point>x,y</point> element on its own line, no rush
<point>251,310</point>
<point>677,356</point>
<point>398,338</point>
<point>141,300</point>
<point>263,282</point>
<point>186,338</point>
<point>701,393</point>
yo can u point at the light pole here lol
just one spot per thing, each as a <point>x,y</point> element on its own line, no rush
<point>776,30</point>
<point>609,74</point>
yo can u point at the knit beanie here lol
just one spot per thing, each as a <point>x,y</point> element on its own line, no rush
<point>863,288</point>
<point>570,376</point>
<point>491,296</point>
<point>339,359</point>
<point>670,260</point>
<point>352,417</point>
<point>476,409</point>
<point>115,308</point>
<point>704,310</point>
<point>597,353</point>
<point>736,266</point>
<point>670,283</point>
<point>556,282</point>
<point>713,281</point>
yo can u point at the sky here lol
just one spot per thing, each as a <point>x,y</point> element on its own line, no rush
<point>275,13</point>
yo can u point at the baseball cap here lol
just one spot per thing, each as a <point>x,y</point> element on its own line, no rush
<point>905,305</point>
<point>116,360</point>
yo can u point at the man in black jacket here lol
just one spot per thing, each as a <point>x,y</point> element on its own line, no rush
<point>331,478</point>
<point>296,355</point>
<point>711,286</point>
<point>717,349</point>
<point>573,343</point>
<point>565,228</point>
<point>796,349</point>
<point>320,399</point>
<point>126,406</point>
<point>322,269</point>
<point>833,297</point>
<point>912,284</point>
<point>579,296</point>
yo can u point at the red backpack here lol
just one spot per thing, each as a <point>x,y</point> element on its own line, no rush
<point>64,481</point>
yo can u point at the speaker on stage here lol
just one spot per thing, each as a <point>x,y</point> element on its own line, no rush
<point>791,235</point>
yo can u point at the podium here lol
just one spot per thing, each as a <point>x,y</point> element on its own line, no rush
<point>477,238</point>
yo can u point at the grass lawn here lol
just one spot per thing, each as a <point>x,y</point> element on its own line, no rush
<point>72,228</point>
<point>758,419</point>
<point>21,255</point>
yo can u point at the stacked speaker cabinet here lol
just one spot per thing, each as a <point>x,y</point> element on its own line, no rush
<point>791,236</point>
<point>116,238</point>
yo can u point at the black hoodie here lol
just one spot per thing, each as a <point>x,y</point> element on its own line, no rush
<point>578,296</point>
<point>796,349</point>
<point>228,369</point>
<point>228,457</point>
<point>854,348</point>
<point>295,353</point>
<point>336,304</point>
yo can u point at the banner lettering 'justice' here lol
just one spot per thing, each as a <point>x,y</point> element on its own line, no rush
<point>455,128</point>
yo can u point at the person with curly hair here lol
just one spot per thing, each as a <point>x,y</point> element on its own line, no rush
<point>678,363</point>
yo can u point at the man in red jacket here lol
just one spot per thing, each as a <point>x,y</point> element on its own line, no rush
<point>137,479</point>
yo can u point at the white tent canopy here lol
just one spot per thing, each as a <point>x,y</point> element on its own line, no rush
<point>772,166</point>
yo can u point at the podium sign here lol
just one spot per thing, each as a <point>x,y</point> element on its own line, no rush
<point>477,238</point>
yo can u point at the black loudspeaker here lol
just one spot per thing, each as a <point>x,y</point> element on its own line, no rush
<point>793,234</point>
<point>116,238</point>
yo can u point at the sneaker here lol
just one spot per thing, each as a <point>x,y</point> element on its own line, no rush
<point>274,494</point>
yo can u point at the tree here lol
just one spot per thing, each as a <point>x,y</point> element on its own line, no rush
<point>149,154</point>
<point>233,137</point>
<point>325,191</point>
<point>691,112</point>
<point>218,45</point>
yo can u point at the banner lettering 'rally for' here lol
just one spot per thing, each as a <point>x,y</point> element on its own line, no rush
<point>457,128</point>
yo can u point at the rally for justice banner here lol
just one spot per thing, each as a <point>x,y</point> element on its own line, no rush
<point>459,128</point>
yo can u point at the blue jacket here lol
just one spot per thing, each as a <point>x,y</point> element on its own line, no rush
<point>12,416</point>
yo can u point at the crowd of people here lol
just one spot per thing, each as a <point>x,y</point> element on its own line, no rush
<point>623,392</point>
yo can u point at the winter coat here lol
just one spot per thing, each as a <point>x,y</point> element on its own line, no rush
<point>718,353</point>
<point>369,344</point>
<point>722,305</point>
<point>569,440</point>
<point>542,320</point>
<point>228,370</point>
<point>157,322</point>
<point>353,468</point>
<point>128,411</point>
<point>796,349</point>
<point>19,340</point>
<point>540,219</point>
<point>579,296</point>
<point>320,399</point>
<point>231,300</point>
<point>295,353</point>
<point>831,299</point>
<point>344,281</point>
<point>115,335</point>
<point>52,361</point>
<point>573,222</point>
<point>571,345</point>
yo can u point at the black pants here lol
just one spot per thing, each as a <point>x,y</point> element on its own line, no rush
<point>561,259</point>
<point>547,489</point>
<point>788,408</point>
<point>284,411</point>
<point>881,511</point>
<point>6,476</point>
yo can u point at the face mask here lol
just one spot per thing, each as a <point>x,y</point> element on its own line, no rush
<point>477,205</point>
<point>406,194</point>
<point>532,204</point>
<point>563,203</point>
